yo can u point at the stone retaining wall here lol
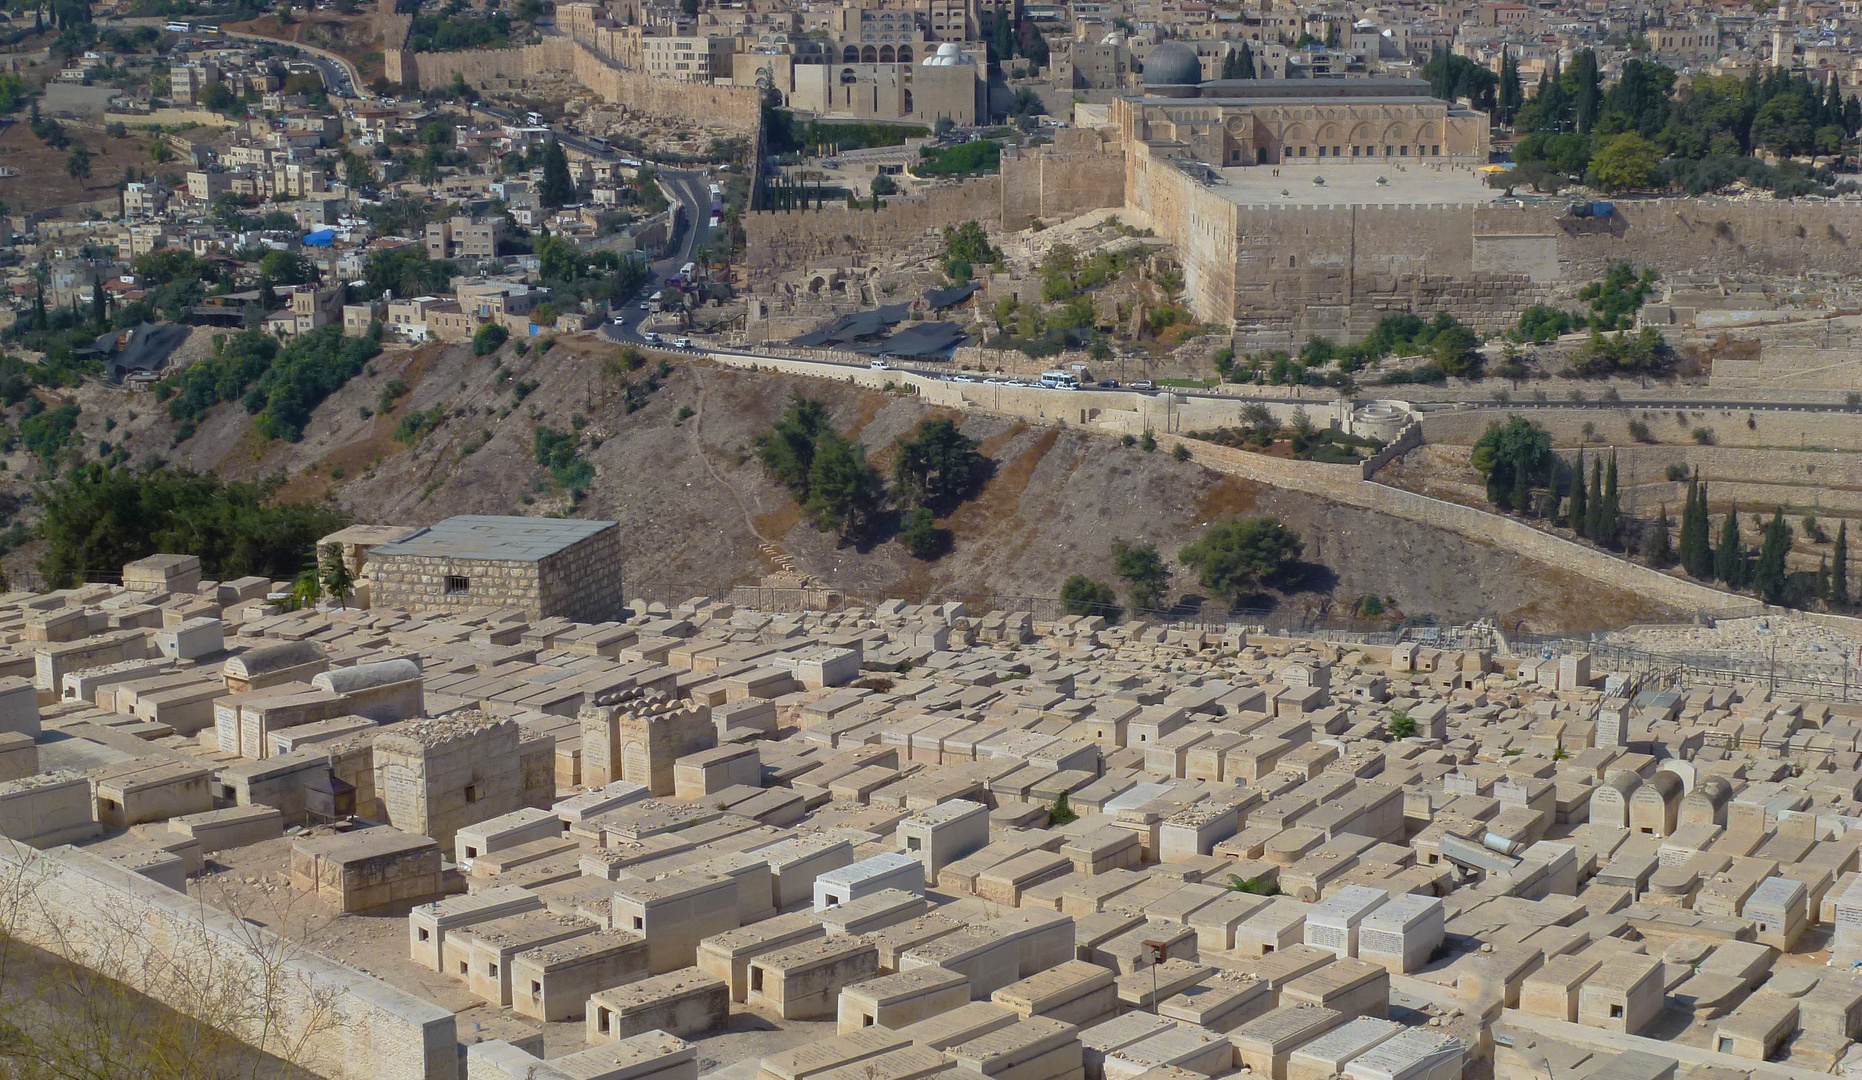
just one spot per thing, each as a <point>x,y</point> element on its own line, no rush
<point>289,1002</point>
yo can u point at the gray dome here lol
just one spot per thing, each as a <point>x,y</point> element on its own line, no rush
<point>1172,64</point>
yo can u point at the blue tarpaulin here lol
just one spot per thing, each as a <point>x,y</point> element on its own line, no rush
<point>320,238</point>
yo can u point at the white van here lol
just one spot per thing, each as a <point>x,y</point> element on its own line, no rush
<point>1060,380</point>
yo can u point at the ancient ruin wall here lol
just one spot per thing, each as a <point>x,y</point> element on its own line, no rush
<point>334,1020</point>
<point>736,107</point>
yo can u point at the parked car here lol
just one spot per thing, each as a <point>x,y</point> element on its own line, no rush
<point>963,378</point>
<point>1144,384</point>
<point>1108,384</point>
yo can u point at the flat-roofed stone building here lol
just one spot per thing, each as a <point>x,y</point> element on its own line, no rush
<point>548,567</point>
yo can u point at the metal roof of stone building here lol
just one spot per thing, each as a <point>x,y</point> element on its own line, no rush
<point>508,539</point>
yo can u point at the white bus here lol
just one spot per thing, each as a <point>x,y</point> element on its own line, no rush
<point>600,143</point>
<point>686,271</point>
<point>179,28</point>
<point>1060,380</point>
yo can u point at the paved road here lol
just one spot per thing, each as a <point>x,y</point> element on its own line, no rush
<point>340,77</point>
<point>691,192</point>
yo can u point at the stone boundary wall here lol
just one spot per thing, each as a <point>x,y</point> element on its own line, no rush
<point>777,240</point>
<point>736,107</point>
<point>1343,483</point>
<point>1772,429</point>
<point>335,1020</point>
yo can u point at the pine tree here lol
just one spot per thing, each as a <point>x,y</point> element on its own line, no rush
<point>1729,557</point>
<point>1661,548</point>
<point>1770,574</point>
<point>1839,568</point>
<point>1593,511</point>
<point>1609,511</point>
<point>1579,513</point>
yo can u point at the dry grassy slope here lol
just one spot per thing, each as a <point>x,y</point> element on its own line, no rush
<point>695,507</point>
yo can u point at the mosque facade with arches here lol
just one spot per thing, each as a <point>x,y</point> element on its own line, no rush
<point>1244,122</point>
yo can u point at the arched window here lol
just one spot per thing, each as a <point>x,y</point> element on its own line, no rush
<point>905,54</point>
<point>851,55</point>
<point>885,54</point>
<point>847,75</point>
<point>869,55</point>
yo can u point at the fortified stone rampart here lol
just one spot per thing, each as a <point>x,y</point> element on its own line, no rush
<point>1334,270</point>
<point>736,107</point>
<point>318,1013</point>
<point>1201,223</point>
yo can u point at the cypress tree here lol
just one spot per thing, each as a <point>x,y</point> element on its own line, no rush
<point>1839,568</point>
<point>1661,548</point>
<point>1696,552</point>
<point>97,310</point>
<point>1729,557</point>
<point>1609,513</point>
<point>1579,513</point>
<point>1685,542</point>
<point>1823,577</point>
<point>1593,520</point>
<point>1769,575</point>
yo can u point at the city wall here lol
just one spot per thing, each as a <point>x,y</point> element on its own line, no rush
<point>1203,226</point>
<point>1334,270</point>
<point>735,107</point>
<point>321,1014</point>
<point>1084,169</point>
<point>778,240</point>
